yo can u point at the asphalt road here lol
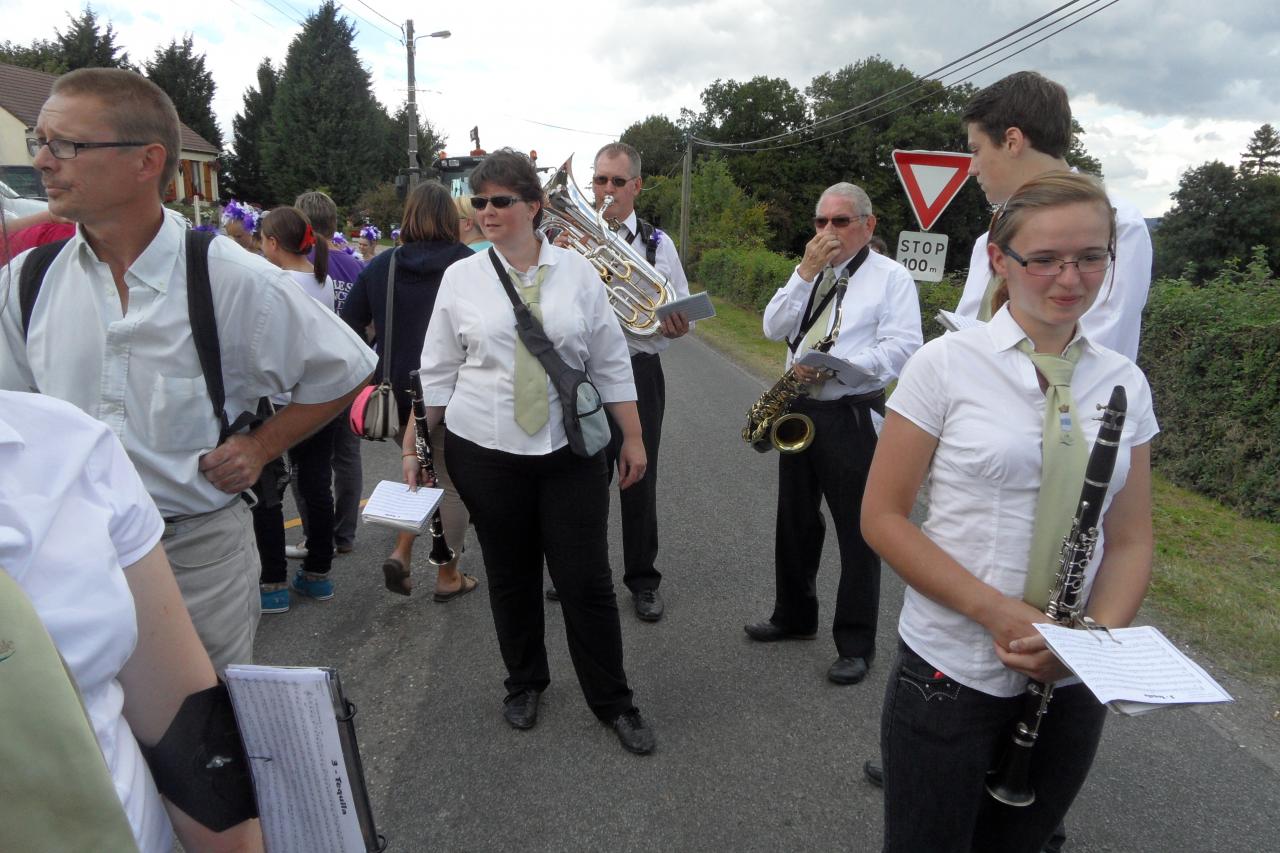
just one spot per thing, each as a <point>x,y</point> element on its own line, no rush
<point>756,750</point>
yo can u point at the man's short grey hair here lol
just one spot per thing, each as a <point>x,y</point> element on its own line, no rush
<point>613,149</point>
<point>321,210</point>
<point>857,195</point>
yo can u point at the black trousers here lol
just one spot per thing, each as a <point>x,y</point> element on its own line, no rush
<point>268,531</point>
<point>834,467</point>
<point>312,460</point>
<point>555,506</point>
<point>640,501</point>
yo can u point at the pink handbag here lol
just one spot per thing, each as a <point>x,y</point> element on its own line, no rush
<point>373,413</point>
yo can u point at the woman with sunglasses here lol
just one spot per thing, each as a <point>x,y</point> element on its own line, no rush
<point>529,496</point>
<point>975,418</point>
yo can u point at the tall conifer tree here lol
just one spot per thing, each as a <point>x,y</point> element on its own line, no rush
<point>85,46</point>
<point>246,173</point>
<point>181,72</point>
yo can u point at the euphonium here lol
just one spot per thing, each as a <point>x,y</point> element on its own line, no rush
<point>1009,781</point>
<point>769,423</point>
<point>635,288</point>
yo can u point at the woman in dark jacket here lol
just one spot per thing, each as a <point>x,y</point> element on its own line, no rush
<point>430,236</point>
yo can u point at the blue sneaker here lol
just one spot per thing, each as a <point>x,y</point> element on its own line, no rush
<point>275,601</point>
<point>320,590</point>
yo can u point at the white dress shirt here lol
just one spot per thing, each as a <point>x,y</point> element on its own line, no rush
<point>73,513</point>
<point>667,262</point>
<point>980,397</point>
<point>1115,320</point>
<point>468,357</point>
<point>879,326</point>
<point>320,291</point>
<point>139,373</point>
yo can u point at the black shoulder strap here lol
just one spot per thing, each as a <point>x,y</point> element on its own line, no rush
<point>531,333</point>
<point>204,324</point>
<point>31,279</point>
<point>649,235</point>
<point>811,314</point>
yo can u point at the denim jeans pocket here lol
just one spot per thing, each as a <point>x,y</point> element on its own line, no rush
<point>931,685</point>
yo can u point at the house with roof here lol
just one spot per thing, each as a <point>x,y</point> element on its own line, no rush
<point>22,93</point>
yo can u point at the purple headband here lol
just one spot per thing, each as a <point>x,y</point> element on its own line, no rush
<point>371,233</point>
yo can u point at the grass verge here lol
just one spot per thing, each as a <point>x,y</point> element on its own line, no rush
<point>1216,579</point>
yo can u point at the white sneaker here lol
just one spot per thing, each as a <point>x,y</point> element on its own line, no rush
<point>296,552</point>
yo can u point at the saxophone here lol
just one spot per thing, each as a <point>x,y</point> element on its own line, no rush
<point>1009,781</point>
<point>770,424</point>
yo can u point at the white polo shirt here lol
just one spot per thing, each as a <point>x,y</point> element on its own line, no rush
<point>468,357</point>
<point>980,397</point>
<point>72,514</point>
<point>138,372</point>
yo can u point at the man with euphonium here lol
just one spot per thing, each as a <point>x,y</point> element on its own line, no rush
<point>617,174</point>
<point>879,328</point>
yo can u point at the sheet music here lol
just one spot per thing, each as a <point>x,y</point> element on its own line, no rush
<point>287,718</point>
<point>954,322</point>
<point>695,307</point>
<point>393,505</point>
<point>847,373</point>
<point>1134,670</point>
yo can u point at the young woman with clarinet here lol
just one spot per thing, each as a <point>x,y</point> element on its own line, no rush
<point>999,421</point>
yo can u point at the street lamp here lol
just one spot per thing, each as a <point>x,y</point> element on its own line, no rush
<point>409,42</point>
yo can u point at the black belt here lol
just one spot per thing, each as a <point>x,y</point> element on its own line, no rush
<point>643,357</point>
<point>874,399</point>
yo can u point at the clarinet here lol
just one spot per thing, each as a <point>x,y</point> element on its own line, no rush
<point>441,553</point>
<point>1009,781</point>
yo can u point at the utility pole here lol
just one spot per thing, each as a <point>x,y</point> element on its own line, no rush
<point>413,108</point>
<point>686,193</point>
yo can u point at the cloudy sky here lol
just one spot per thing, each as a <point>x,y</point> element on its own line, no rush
<point>1159,85</point>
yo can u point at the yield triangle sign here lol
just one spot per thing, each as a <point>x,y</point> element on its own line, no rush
<point>931,179</point>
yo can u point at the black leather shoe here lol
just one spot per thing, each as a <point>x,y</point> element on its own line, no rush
<point>551,594</point>
<point>767,632</point>
<point>848,670</point>
<point>521,709</point>
<point>634,733</point>
<point>649,605</point>
<point>874,773</point>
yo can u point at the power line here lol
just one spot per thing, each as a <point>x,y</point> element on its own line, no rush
<point>560,127</point>
<point>923,80</point>
<point>399,38</point>
<point>256,15</point>
<point>380,15</point>
<point>282,13</point>
<point>952,85</point>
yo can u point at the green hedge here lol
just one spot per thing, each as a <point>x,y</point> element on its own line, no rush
<point>745,277</point>
<point>1212,354</point>
<point>936,296</point>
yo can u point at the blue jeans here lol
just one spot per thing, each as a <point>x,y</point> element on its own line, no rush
<point>939,738</point>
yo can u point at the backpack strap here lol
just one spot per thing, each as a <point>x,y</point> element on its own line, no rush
<point>204,324</point>
<point>650,236</point>
<point>31,279</point>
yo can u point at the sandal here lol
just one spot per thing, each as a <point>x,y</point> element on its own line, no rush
<point>396,576</point>
<point>468,584</point>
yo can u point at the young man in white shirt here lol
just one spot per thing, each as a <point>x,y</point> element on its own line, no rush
<point>1019,128</point>
<point>879,329</point>
<point>110,331</point>
<point>617,174</point>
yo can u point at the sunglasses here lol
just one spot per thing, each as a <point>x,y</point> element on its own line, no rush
<point>501,202</point>
<point>601,180</point>
<point>820,222</point>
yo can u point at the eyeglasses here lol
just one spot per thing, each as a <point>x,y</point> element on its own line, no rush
<point>619,183</point>
<point>820,222</point>
<point>1090,264</point>
<point>502,202</point>
<point>65,149</point>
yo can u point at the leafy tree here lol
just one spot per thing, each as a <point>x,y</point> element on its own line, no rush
<point>381,206</point>
<point>40,55</point>
<point>246,173</point>
<point>326,127</point>
<point>722,215</point>
<point>1077,155</point>
<point>660,143</point>
<point>84,45</point>
<point>395,150</point>
<point>1262,157</point>
<point>181,73</point>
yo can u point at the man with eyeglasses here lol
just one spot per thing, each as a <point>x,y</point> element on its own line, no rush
<point>110,329</point>
<point>879,329</point>
<point>1019,128</point>
<point>617,174</point>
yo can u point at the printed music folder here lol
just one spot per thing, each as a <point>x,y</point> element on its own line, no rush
<point>695,307</point>
<point>954,322</point>
<point>1133,670</point>
<point>392,504</point>
<point>299,734</point>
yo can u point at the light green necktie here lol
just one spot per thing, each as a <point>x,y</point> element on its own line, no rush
<point>531,377</point>
<point>819,328</point>
<point>1061,474</point>
<point>984,310</point>
<point>55,790</point>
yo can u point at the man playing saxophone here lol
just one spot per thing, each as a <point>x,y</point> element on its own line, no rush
<point>879,329</point>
